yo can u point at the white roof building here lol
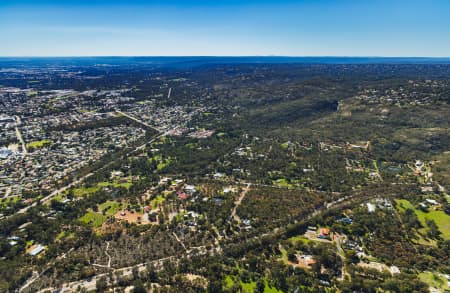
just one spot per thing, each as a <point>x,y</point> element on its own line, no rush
<point>370,207</point>
<point>38,249</point>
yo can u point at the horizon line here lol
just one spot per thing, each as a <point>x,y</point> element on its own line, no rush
<point>222,56</point>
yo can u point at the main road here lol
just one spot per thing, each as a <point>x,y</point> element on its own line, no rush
<point>134,119</point>
<point>19,136</point>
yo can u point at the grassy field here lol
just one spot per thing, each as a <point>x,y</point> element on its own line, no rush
<point>104,184</point>
<point>65,235</point>
<point>115,184</point>
<point>228,282</point>
<point>93,219</point>
<point>58,197</point>
<point>284,255</point>
<point>285,145</point>
<point>282,182</point>
<point>156,201</point>
<point>29,243</point>
<point>60,235</point>
<point>39,144</point>
<point>268,289</point>
<point>441,219</point>
<point>111,207</point>
<point>295,239</point>
<point>434,280</point>
<point>82,191</point>
<point>162,165</point>
<point>249,287</point>
<point>31,93</point>
<point>5,202</point>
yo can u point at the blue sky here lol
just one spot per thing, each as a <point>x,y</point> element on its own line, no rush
<point>225,28</point>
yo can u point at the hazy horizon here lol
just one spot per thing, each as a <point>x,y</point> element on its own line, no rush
<point>224,56</point>
<point>229,56</point>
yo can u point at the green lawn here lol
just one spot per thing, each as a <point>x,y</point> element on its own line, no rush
<point>60,235</point>
<point>126,185</point>
<point>64,234</point>
<point>81,191</point>
<point>156,158</point>
<point>282,182</point>
<point>441,219</point>
<point>156,201</point>
<point>249,287</point>
<point>434,280</point>
<point>5,202</point>
<point>114,207</point>
<point>228,282</point>
<point>39,143</point>
<point>298,238</point>
<point>93,219</point>
<point>180,215</point>
<point>104,184</point>
<point>284,256</point>
<point>115,184</point>
<point>58,197</point>
<point>268,289</point>
<point>163,164</point>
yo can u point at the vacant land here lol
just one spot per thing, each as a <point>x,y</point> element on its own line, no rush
<point>109,208</point>
<point>94,219</point>
<point>434,280</point>
<point>131,217</point>
<point>39,144</point>
<point>441,219</point>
